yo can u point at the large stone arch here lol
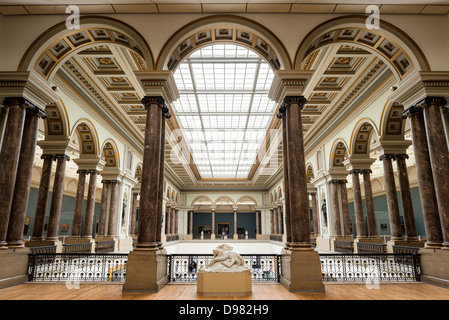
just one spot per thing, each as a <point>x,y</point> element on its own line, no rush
<point>224,29</point>
<point>88,143</point>
<point>202,203</point>
<point>58,43</point>
<point>389,43</point>
<point>360,138</point>
<point>110,154</point>
<point>224,203</point>
<point>339,153</point>
<point>392,125</point>
<point>57,125</point>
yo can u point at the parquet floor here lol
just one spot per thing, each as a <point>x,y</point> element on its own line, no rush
<point>390,291</point>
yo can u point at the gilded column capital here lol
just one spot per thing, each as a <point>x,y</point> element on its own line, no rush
<point>431,101</point>
<point>82,171</point>
<point>152,100</point>
<point>386,156</point>
<point>356,171</point>
<point>401,156</point>
<point>93,171</point>
<point>366,171</point>
<point>299,100</point>
<point>47,156</point>
<point>61,156</point>
<point>342,181</point>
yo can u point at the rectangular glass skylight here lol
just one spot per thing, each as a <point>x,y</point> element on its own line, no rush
<point>224,110</point>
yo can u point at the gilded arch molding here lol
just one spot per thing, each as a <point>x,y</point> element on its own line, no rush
<point>390,43</point>
<point>56,44</point>
<point>223,29</point>
<point>360,137</point>
<point>88,138</point>
<point>110,154</point>
<point>339,152</point>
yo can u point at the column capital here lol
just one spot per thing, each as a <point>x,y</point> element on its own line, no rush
<point>356,171</point>
<point>288,83</point>
<point>93,171</point>
<point>400,156</point>
<point>28,86</point>
<point>61,156</point>
<point>366,171</point>
<point>158,83</point>
<point>82,171</point>
<point>47,156</point>
<point>342,181</point>
<point>431,101</point>
<point>299,100</point>
<point>386,156</point>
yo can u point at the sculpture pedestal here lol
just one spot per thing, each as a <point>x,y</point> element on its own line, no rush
<point>224,282</point>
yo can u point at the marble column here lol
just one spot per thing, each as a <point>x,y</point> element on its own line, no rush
<point>335,208</point>
<point>23,178</point>
<point>113,207</point>
<point>176,221</point>
<point>90,205</point>
<point>406,198</point>
<point>316,227</point>
<point>42,198</point>
<point>286,184</point>
<point>235,221</point>
<point>280,224</point>
<point>212,236</point>
<point>172,220</point>
<point>434,237</point>
<point>369,202</point>
<point>160,194</point>
<point>168,221</point>
<point>191,222</point>
<point>392,200</point>
<point>79,202</point>
<point>103,209</point>
<point>345,209</point>
<point>439,157</point>
<point>358,207</point>
<point>257,222</point>
<point>272,221</point>
<point>299,199</point>
<point>9,160</point>
<point>132,223</point>
<point>146,237</point>
<point>56,198</point>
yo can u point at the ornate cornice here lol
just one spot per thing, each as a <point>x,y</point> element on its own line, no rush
<point>420,86</point>
<point>27,86</point>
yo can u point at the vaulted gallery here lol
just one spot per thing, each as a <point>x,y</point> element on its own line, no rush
<point>156,130</point>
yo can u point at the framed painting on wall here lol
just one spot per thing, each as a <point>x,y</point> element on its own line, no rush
<point>226,227</point>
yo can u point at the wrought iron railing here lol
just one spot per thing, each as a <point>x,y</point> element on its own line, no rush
<point>370,267</point>
<point>371,247</point>
<point>77,267</point>
<point>343,246</point>
<point>184,267</point>
<point>77,248</point>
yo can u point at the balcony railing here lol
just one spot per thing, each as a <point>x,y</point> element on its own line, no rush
<point>405,249</point>
<point>370,267</point>
<point>77,267</point>
<point>104,246</point>
<point>43,249</point>
<point>184,267</point>
<point>371,247</point>
<point>344,246</point>
<point>77,248</point>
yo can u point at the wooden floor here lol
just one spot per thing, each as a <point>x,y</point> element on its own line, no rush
<point>390,291</point>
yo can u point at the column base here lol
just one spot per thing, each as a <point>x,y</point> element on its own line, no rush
<point>301,271</point>
<point>45,243</point>
<point>146,270</point>
<point>392,243</point>
<point>13,267</point>
<point>435,266</point>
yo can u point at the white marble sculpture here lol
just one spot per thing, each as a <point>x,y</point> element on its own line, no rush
<point>225,260</point>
